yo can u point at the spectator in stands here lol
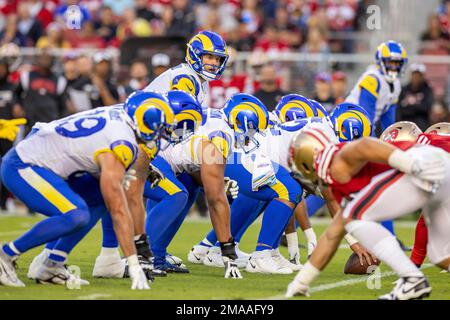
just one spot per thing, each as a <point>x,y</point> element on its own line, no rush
<point>119,6</point>
<point>65,10</point>
<point>42,11</point>
<point>435,38</point>
<point>289,32</point>
<point>142,10</point>
<point>27,25</point>
<point>416,98</point>
<point>53,38</point>
<point>444,17</point>
<point>339,86</point>
<point>132,26</point>
<point>323,93</point>
<point>138,79</point>
<point>240,39</point>
<point>249,16</point>
<point>316,42</point>
<point>10,34</point>
<point>78,98</point>
<point>84,65</point>
<point>106,27</point>
<point>87,37</point>
<point>269,92</point>
<point>42,94</point>
<point>271,42</point>
<point>299,14</point>
<point>179,19</point>
<point>160,63</point>
<point>8,110</point>
<point>439,112</point>
<point>223,10</point>
<point>104,92</point>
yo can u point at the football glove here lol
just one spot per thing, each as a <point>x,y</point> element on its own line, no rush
<point>229,256</point>
<point>154,176</point>
<point>138,279</point>
<point>231,187</point>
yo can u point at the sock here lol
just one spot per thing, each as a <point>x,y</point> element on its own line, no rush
<point>313,204</point>
<point>384,246</point>
<point>50,245</point>
<point>307,275</point>
<point>292,242</point>
<point>159,219</point>
<point>53,228</point>
<point>310,235</point>
<point>419,251</point>
<point>65,245</point>
<point>109,251</point>
<point>11,250</point>
<point>109,235</point>
<point>276,217</point>
<point>58,256</point>
<point>389,224</point>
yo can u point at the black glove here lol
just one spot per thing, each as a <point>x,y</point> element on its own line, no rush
<point>154,176</point>
<point>228,249</point>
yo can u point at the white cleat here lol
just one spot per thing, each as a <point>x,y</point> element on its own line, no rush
<point>8,276</point>
<point>56,273</point>
<point>109,266</point>
<point>214,258</point>
<point>243,257</point>
<point>283,262</point>
<point>174,260</point>
<point>263,262</point>
<point>296,288</point>
<point>409,288</point>
<point>197,254</point>
<point>37,262</point>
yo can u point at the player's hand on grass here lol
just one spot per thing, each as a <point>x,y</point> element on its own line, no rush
<point>138,279</point>
<point>363,254</point>
<point>229,256</point>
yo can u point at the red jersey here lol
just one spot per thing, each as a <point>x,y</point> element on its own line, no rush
<point>222,89</point>
<point>436,140</point>
<point>360,180</point>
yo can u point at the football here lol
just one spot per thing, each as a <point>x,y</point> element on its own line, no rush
<point>353,266</point>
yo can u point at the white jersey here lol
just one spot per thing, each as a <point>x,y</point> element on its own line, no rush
<point>73,143</point>
<point>181,77</point>
<point>185,156</point>
<point>373,81</point>
<point>277,140</point>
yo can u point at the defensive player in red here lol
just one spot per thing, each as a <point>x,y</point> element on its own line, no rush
<point>371,175</point>
<point>437,135</point>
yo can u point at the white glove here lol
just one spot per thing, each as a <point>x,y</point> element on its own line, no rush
<point>231,269</point>
<point>130,176</point>
<point>138,279</point>
<point>429,169</point>
<point>296,288</point>
<point>231,187</point>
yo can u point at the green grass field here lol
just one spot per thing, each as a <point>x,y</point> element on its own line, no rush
<point>204,282</point>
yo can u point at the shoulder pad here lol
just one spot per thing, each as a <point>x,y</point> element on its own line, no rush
<point>185,83</point>
<point>222,140</point>
<point>370,83</point>
<point>125,152</point>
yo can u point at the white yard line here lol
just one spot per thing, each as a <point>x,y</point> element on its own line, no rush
<point>94,296</point>
<point>344,283</point>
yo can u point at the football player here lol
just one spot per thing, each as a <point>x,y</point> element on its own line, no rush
<point>378,89</point>
<point>103,142</point>
<point>371,174</point>
<point>206,59</point>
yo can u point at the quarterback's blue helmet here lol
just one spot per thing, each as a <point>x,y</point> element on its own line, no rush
<point>391,58</point>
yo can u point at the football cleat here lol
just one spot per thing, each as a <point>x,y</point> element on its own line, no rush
<point>8,276</point>
<point>174,260</point>
<point>283,262</point>
<point>214,258</point>
<point>409,288</point>
<point>197,254</point>
<point>37,262</point>
<point>296,288</point>
<point>147,266</point>
<point>109,266</point>
<point>56,273</point>
<point>263,262</point>
<point>160,263</point>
